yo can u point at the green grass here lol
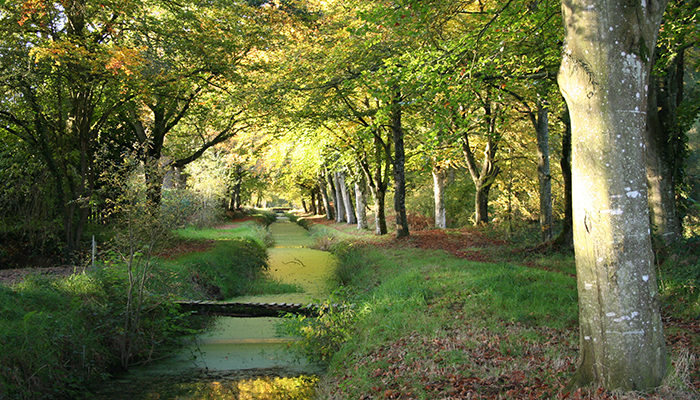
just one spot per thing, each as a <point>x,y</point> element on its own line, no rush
<point>424,323</point>
<point>58,335</point>
<point>247,229</point>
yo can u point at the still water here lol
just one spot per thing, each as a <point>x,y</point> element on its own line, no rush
<point>244,358</point>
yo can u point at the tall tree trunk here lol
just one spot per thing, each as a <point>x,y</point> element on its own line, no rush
<point>481,204</point>
<point>399,165</point>
<point>321,210</point>
<point>663,156</point>
<point>361,202</point>
<point>380,227</point>
<point>303,205</point>
<point>324,196</point>
<point>339,200</point>
<point>347,199</point>
<point>378,179</point>
<point>154,182</point>
<point>313,208</point>
<point>484,175</point>
<point>566,236</point>
<point>543,174</point>
<point>439,177</point>
<point>603,77</point>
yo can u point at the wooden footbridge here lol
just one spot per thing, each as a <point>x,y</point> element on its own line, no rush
<point>233,309</point>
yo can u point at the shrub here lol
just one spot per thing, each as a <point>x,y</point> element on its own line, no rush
<point>322,336</point>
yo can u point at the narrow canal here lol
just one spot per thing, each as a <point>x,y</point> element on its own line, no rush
<point>244,358</point>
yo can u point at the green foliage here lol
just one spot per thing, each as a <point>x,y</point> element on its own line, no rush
<point>324,335</point>
<point>458,197</point>
<point>304,223</point>
<point>188,208</point>
<point>57,335</point>
<point>679,279</point>
<point>227,270</point>
<point>267,217</point>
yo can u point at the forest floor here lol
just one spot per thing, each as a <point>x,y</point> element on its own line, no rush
<point>463,313</point>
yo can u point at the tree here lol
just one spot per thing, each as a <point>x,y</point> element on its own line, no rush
<point>62,67</point>
<point>193,81</point>
<point>604,74</point>
<point>669,116</point>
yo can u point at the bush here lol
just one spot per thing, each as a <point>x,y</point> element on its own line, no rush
<point>679,279</point>
<point>57,335</point>
<point>187,208</point>
<point>324,335</point>
<point>228,270</point>
<point>267,217</point>
<point>304,223</point>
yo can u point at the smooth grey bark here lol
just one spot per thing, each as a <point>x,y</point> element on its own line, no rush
<point>399,168</point>
<point>324,196</point>
<point>339,202</point>
<point>439,178</point>
<point>543,172</point>
<point>361,202</point>
<point>347,199</point>
<point>603,77</point>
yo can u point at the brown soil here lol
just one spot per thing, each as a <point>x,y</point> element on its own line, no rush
<point>181,248</point>
<point>12,276</point>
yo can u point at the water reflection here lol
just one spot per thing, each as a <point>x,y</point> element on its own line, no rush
<point>246,358</point>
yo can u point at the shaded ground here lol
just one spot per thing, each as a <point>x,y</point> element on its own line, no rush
<point>177,248</point>
<point>182,247</point>
<point>466,243</point>
<point>495,370</point>
<point>15,275</point>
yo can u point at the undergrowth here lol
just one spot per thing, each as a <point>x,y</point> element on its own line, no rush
<point>58,335</point>
<point>423,324</point>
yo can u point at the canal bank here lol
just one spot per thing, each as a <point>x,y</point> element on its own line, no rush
<point>244,357</point>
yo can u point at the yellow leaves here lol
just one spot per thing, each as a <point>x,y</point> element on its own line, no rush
<point>124,60</point>
<point>60,53</point>
<point>118,60</point>
<point>31,8</point>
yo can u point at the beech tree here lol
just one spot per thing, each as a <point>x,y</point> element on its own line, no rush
<point>607,55</point>
<point>670,113</point>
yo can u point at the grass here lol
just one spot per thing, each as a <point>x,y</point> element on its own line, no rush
<point>425,324</point>
<point>59,335</point>
<point>247,229</point>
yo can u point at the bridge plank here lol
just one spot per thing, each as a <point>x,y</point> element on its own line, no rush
<point>233,309</point>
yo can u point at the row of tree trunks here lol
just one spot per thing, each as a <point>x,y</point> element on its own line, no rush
<point>324,195</point>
